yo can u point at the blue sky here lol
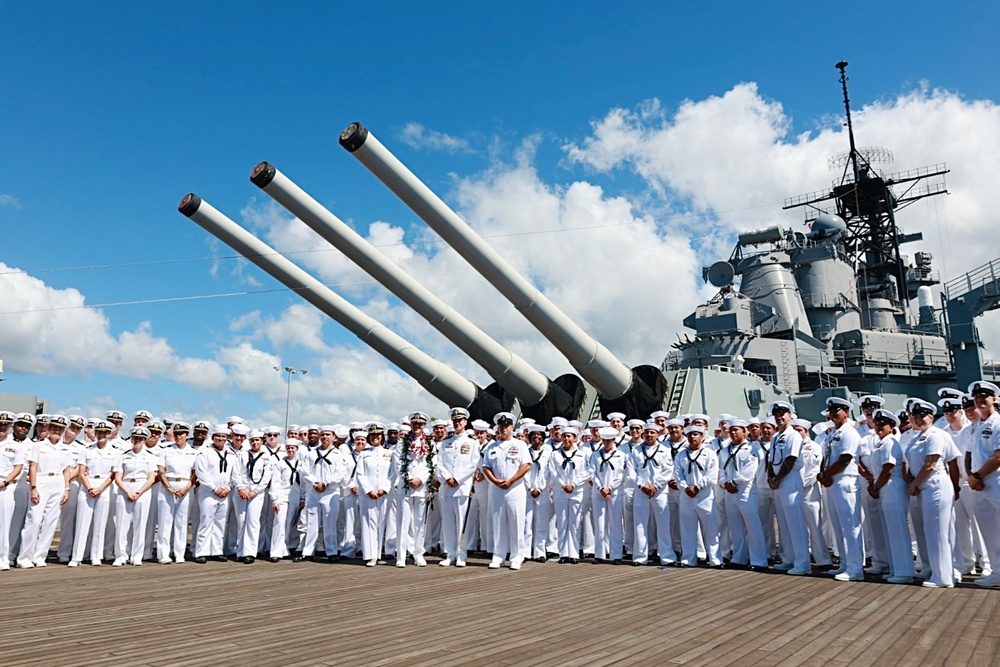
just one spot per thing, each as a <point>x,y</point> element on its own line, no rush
<point>110,113</point>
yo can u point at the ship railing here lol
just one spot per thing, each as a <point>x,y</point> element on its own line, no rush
<point>986,276</point>
<point>908,361</point>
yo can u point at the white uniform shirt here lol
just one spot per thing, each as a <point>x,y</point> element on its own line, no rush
<point>738,464</point>
<point>99,462</point>
<point>505,457</point>
<point>887,450</point>
<point>457,457</point>
<point>214,468</point>
<point>324,465</point>
<point>285,477</point>
<point>51,459</point>
<point>652,466</point>
<point>569,467</point>
<point>812,459</point>
<point>253,471</point>
<point>785,444</point>
<point>844,440</point>
<point>375,470</point>
<point>177,464</point>
<point>609,469</point>
<point>984,440</point>
<point>537,477</point>
<point>931,442</point>
<point>135,467</point>
<point>12,454</point>
<point>698,468</point>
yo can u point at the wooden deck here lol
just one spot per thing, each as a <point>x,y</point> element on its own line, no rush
<point>546,614</point>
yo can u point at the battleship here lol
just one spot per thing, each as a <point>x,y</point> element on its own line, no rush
<point>836,310</point>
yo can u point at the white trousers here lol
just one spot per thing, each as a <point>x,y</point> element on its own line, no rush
<point>91,522</point>
<point>130,518</point>
<point>695,512</point>
<point>745,530</point>
<point>350,513</point>
<point>507,508</point>
<point>373,521</point>
<point>649,512</point>
<point>845,511</point>
<point>936,497</point>
<point>968,539</point>
<point>211,531</point>
<point>893,505</point>
<point>322,510</point>
<point>6,515</point>
<point>609,528</point>
<point>674,503</point>
<point>876,546</point>
<point>536,524</point>
<point>722,522</point>
<point>410,515</point>
<point>988,516</point>
<point>279,531</point>
<point>628,516</point>
<point>248,514</point>
<point>788,502</point>
<point>478,532</point>
<point>586,521</point>
<point>67,523</point>
<point>453,509</point>
<point>812,514</point>
<point>569,514</point>
<point>766,511</point>
<point>172,517</point>
<point>41,520</point>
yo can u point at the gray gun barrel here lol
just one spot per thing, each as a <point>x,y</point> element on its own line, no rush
<point>509,370</point>
<point>441,381</point>
<point>594,362</point>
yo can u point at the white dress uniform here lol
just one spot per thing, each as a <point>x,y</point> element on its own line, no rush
<point>587,509</point>
<point>698,469</point>
<point>42,518</point>
<point>267,511</point>
<point>872,530</point>
<point>214,469</point>
<point>628,491</point>
<point>328,467</point>
<point>67,512</point>
<point>177,464</point>
<point>984,441</point>
<point>765,497</point>
<point>568,467</point>
<point>137,469</point>
<point>286,493</point>
<point>608,470</point>
<point>936,499</point>
<point>504,458</point>
<point>673,498</point>
<point>812,501</point>
<point>738,464</point>
<point>350,507</point>
<point>536,516</point>
<point>374,475</point>
<point>652,466</point>
<point>91,512</point>
<point>968,540</point>
<point>717,444</point>
<point>458,458</point>
<point>788,498</point>
<point>12,455</point>
<point>411,503</point>
<point>919,544</point>
<point>552,546</point>
<point>251,475</point>
<point>845,508</point>
<point>893,505</point>
<point>478,527</point>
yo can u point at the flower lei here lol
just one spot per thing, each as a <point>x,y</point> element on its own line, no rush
<point>416,445</point>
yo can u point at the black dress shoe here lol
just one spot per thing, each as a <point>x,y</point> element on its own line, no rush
<point>201,560</point>
<point>273,559</point>
<point>636,563</point>
<point>617,561</point>
<point>563,560</point>
<point>573,561</point>
<point>298,558</point>
<point>597,561</point>
<point>333,559</point>
<point>219,559</point>
<point>540,559</point>
<point>248,560</point>
<point>720,566</point>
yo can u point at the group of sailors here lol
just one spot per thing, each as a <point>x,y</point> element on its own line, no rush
<point>917,498</point>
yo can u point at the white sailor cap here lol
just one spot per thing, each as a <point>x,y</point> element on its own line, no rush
<point>536,428</point>
<point>769,420</point>
<point>616,415</point>
<point>839,403</point>
<point>699,416</point>
<point>139,432</point>
<point>570,430</point>
<point>418,416</point>
<point>181,427</point>
<point>802,423</point>
<point>340,431</point>
<point>885,416</point>
<point>234,419</point>
<point>871,401</point>
<point>694,428</point>
<point>294,427</point>
<point>596,423</point>
<point>271,430</point>
<point>328,428</point>
<point>90,421</point>
<point>292,442</point>
<point>310,427</point>
<point>458,413</point>
<point>919,406</point>
<point>501,418</point>
<point>780,406</point>
<point>738,423</point>
<point>753,420</point>
<point>220,429</point>
<point>608,433</point>
<point>984,387</point>
<point>240,429</point>
<point>659,413</point>
<point>820,427</point>
<point>651,426</point>
<point>480,425</point>
<point>439,422</point>
<point>950,402</point>
<point>635,422</point>
<point>575,423</point>
<point>725,417</point>
<point>354,426</point>
<point>392,426</point>
<point>525,420</point>
<point>557,421</point>
<point>674,422</point>
<point>255,433</point>
<point>949,392</point>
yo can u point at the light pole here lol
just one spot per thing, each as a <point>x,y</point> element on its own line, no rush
<point>289,371</point>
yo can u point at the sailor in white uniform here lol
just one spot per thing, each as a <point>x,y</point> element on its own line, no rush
<point>888,488</point>
<point>324,470</point>
<point>505,464</point>
<point>213,468</point>
<point>839,473</point>
<point>14,450</point>
<point>696,470</point>
<point>984,475</point>
<point>135,474</point>
<point>738,463</point>
<point>536,517</point>
<point>785,480</point>
<point>653,469</point>
<point>94,473</point>
<point>251,477</point>
<point>608,471</point>
<point>457,460</point>
<point>568,474</point>
<point>175,469</point>
<point>374,478</point>
<point>50,467</point>
<point>478,527</point>
<point>287,499</point>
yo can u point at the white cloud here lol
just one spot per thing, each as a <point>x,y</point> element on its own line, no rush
<point>9,201</point>
<point>51,331</point>
<point>420,137</point>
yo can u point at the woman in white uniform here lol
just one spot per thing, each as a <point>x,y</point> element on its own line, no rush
<point>95,495</point>
<point>568,475</point>
<point>134,473</point>
<point>49,472</point>
<point>175,468</point>
<point>929,482</point>
<point>889,489</point>
<point>374,480</point>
